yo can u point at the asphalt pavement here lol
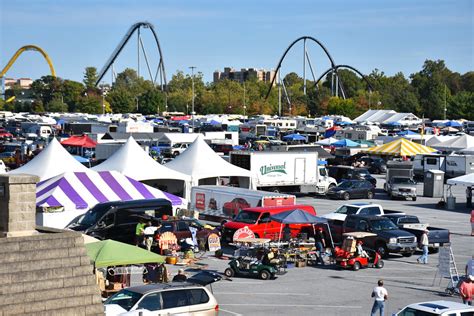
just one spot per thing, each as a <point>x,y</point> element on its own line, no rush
<point>327,291</point>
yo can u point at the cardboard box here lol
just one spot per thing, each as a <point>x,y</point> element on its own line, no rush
<point>300,264</point>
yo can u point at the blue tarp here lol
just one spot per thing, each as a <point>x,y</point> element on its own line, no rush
<point>297,217</point>
<point>294,137</point>
<point>345,143</point>
<point>453,124</point>
<point>407,132</point>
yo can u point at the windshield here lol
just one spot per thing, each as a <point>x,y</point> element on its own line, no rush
<point>348,210</point>
<point>125,298</point>
<point>346,184</point>
<point>383,224</point>
<point>247,217</point>
<point>403,181</point>
<point>415,312</point>
<point>92,216</point>
<point>177,145</point>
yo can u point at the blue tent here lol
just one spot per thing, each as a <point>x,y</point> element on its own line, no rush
<point>453,124</point>
<point>343,123</point>
<point>345,143</point>
<point>214,122</point>
<point>407,132</point>
<point>294,137</point>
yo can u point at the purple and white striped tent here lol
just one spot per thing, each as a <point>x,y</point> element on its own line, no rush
<point>76,192</point>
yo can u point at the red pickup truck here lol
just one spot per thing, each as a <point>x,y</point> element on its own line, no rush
<point>257,219</point>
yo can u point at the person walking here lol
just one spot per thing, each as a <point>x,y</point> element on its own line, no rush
<point>320,244</point>
<point>424,246</point>
<point>381,295</point>
<point>466,290</point>
<point>468,197</point>
<point>140,232</point>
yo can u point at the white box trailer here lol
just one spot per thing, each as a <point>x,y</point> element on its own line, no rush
<point>459,165</point>
<point>217,203</point>
<point>283,171</point>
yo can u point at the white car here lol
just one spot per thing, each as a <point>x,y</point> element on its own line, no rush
<point>177,298</point>
<point>437,308</point>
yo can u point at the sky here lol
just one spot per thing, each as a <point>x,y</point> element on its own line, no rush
<point>391,35</point>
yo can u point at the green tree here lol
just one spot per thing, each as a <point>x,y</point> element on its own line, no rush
<point>461,106</point>
<point>340,106</point>
<point>56,105</point>
<point>121,100</point>
<point>90,104</point>
<point>37,106</point>
<point>47,88</point>
<point>151,102</point>
<point>72,92</point>
<point>90,78</point>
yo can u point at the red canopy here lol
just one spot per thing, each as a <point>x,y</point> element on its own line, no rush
<point>79,141</point>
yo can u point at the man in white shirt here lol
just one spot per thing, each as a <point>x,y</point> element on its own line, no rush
<point>380,294</point>
<point>424,246</point>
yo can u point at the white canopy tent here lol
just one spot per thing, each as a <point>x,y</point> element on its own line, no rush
<point>53,160</point>
<point>458,143</point>
<point>132,161</point>
<point>467,180</point>
<point>327,141</point>
<point>205,166</point>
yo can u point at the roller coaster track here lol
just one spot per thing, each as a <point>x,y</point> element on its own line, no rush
<point>124,41</point>
<point>28,48</point>
<point>335,68</point>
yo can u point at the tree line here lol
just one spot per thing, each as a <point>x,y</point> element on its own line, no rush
<point>428,93</point>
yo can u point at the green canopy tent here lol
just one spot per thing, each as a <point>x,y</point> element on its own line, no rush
<point>108,253</point>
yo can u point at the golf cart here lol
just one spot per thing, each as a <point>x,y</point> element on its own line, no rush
<point>254,259</point>
<point>348,257</point>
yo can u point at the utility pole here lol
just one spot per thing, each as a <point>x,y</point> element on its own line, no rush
<point>445,107</point>
<point>192,104</point>
<point>245,105</point>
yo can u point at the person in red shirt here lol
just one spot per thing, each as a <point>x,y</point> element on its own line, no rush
<point>466,289</point>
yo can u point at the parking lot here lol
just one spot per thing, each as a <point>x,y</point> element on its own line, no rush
<point>327,291</point>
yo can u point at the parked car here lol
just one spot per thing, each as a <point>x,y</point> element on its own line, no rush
<point>401,187</point>
<point>389,239</point>
<point>437,308</point>
<point>375,165</point>
<point>350,189</point>
<point>341,173</point>
<point>184,298</point>
<point>437,237</point>
<point>118,220</point>
<point>257,219</point>
<point>222,148</point>
<point>360,208</point>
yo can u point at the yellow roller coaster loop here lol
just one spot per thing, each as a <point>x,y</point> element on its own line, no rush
<point>25,48</point>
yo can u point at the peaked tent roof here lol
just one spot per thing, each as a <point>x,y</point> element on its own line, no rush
<point>83,190</point>
<point>200,162</point>
<point>108,253</point>
<point>79,141</point>
<point>52,161</point>
<point>345,143</point>
<point>131,160</point>
<point>327,141</point>
<point>400,147</point>
<point>457,143</point>
<point>467,180</point>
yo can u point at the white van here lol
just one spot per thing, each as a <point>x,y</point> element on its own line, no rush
<point>437,308</point>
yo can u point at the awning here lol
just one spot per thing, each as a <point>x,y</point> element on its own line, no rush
<point>400,147</point>
<point>79,141</point>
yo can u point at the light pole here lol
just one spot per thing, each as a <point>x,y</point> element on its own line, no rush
<point>192,104</point>
<point>245,105</point>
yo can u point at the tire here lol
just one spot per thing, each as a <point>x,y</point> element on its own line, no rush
<point>346,196</point>
<point>432,250</point>
<point>382,249</point>
<point>407,254</point>
<point>332,185</point>
<point>265,275</point>
<point>379,264</point>
<point>275,190</point>
<point>414,199</point>
<point>356,266</point>
<point>229,272</point>
<point>176,153</point>
<point>370,195</point>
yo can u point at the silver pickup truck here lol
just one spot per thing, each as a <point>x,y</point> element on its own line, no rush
<point>401,187</point>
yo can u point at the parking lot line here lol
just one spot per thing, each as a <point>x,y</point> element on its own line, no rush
<point>253,293</point>
<point>229,312</point>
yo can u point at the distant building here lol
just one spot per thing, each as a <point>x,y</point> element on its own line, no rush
<point>244,74</point>
<point>25,83</point>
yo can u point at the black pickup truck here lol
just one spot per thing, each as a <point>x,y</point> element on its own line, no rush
<point>389,239</point>
<point>437,237</point>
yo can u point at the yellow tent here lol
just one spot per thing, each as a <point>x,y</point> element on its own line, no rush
<point>400,147</point>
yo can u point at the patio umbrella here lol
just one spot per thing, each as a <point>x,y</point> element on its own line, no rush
<point>294,137</point>
<point>345,143</point>
<point>453,124</point>
<point>108,253</point>
<point>327,141</point>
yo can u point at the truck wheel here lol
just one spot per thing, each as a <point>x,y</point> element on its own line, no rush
<point>346,196</point>
<point>264,275</point>
<point>414,198</point>
<point>407,254</point>
<point>433,250</point>
<point>370,195</point>
<point>176,153</point>
<point>379,264</point>
<point>382,249</point>
<point>332,185</point>
<point>356,266</point>
<point>229,272</point>
<point>275,190</point>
